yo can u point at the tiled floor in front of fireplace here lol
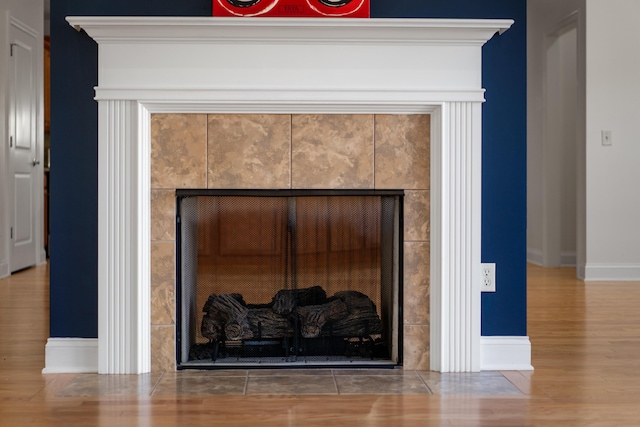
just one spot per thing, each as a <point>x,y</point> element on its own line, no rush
<point>291,382</point>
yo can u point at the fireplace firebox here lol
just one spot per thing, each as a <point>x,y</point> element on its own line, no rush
<point>289,278</point>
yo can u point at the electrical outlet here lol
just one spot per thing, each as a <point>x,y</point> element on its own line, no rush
<point>488,283</point>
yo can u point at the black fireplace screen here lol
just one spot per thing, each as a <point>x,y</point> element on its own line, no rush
<point>288,277</point>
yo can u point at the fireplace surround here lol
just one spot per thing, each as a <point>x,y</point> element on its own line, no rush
<point>209,65</point>
<point>301,152</point>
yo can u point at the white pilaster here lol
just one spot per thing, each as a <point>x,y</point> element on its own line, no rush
<point>455,244</point>
<point>123,238</point>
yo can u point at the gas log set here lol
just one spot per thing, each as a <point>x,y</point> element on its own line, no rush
<point>296,322</point>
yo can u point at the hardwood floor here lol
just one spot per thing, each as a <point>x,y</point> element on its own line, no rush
<point>586,351</point>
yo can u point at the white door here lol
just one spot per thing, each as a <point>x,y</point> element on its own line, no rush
<point>23,150</point>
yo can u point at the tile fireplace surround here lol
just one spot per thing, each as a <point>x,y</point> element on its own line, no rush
<point>282,151</point>
<point>207,67</point>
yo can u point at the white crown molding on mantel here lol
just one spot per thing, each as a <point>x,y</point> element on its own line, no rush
<point>220,65</point>
<point>297,31</point>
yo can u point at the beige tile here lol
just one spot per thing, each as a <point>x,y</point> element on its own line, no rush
<point>163,283</point>
<point>178,151</point>
<point>402,151</point>
<point>416,215</point>
<point>332,151</point>
<point>201,385</point>
<point>249,150</point>
<point>289,372</point>
<point>206,373</point>
<point>416,347</point>
<point>318,384</point>
<point>94,385</point>
<point>373,372</point>
<point>473,383</point>
<point>163,214</point>
<point>381,384</point>
<point>416,283</point>
<point>163,348</point>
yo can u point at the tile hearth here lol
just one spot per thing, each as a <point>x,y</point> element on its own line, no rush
<point>292,382</point>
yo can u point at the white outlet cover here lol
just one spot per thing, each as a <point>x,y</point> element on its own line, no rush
<point>488,277</point>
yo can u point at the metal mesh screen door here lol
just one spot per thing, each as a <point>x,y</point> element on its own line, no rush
<point>288,277</point>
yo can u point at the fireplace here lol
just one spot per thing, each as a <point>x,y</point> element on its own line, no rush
<point>150,67</point>
<point>289,278</point>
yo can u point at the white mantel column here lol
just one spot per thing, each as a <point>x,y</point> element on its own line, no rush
<point>123,238</point>
<point>456,194</point>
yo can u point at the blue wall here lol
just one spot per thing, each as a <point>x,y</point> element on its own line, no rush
<point>504,149</point>
<point>74,204</point>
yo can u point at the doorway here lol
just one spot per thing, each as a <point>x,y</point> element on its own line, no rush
<point>560,148</point>
<point>24,189</point>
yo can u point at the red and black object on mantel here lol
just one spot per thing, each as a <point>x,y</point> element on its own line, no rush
<point>292,8</point>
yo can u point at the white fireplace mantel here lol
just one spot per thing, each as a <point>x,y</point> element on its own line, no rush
<point>210,65</point>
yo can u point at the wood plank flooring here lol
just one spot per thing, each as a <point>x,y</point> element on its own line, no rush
<point>586,351</point>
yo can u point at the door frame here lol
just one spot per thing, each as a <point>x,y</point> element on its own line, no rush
<point>551,245</point>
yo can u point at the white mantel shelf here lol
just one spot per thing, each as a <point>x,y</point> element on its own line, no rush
<point>224,65</point>
<point>291,30</point>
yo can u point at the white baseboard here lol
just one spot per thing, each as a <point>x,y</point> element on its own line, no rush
<point>80,355</point>
<point>43,257</point>
<point>567,258</point>
<point>4,269</point>
<point>534,256</point>
<point>612,272</point>
<point>71,355</point>
<point>505,354</point>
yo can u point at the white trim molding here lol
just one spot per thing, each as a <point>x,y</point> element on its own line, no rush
<point>4,269</point>
<point>511,353</point>
<point>42,257</point>
<point>612,272</point>
<point>567,258</point>
<point>456,163</point>
<point>124,290</point>
<point>190,65</point>
<point>71,355</point>
<point>534,256</point>
<point>304,31</point>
